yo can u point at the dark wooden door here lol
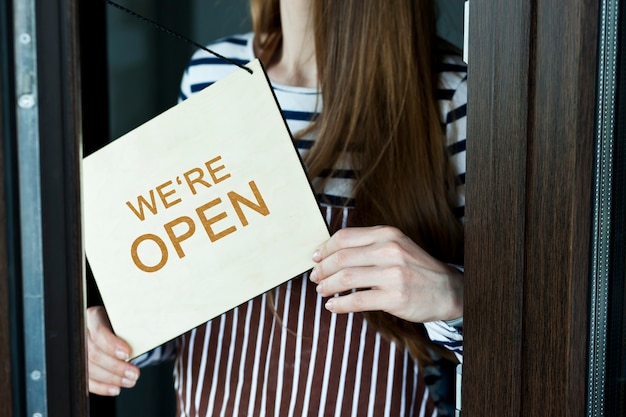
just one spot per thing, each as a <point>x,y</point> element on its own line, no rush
<point>531,137</point>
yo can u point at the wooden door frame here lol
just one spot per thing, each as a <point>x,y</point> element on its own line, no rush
<point>530,158</point>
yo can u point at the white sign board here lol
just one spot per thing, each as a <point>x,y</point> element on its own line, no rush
<point>197,211</point>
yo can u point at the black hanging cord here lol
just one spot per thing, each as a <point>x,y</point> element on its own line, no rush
<point>178,35</point>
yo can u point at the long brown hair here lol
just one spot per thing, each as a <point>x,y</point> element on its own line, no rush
<point>376,62</point>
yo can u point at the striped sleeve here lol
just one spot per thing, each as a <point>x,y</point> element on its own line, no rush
<point>447,336</point>
<point>452,99</point>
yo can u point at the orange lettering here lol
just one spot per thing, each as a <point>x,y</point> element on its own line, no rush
<point>141,202</point>
<point>208,222</point>
<point>177,239</point>
<point>213,170</point>
<point>164,196</point>
<point>191,182</point>
<point>236,200</point>
<point>135,256</point>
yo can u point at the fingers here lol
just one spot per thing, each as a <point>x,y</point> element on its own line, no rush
<point>372,288</point>
<point>347,279</point>
<point>107,355</point>
<point>109,382</point>
<point>357,301</point>
<point>359,247</point>
<point>354,237</point>
<point>380,268</point>
<point>415,295</point>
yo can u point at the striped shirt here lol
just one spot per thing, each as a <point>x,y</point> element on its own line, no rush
<point>282,353</point>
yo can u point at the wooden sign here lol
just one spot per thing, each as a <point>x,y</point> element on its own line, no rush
<point>197,211</point>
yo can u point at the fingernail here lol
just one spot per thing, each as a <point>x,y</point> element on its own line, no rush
<point>317,256</point>
<point>131,375</point>
<point>329,305</point>
<point>128,383</point>
<point>313,276</point>
<point>121,354</point>
<point>114,391</point>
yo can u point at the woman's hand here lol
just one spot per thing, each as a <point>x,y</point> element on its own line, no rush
<point>391,272</point>
<point>108,368</point>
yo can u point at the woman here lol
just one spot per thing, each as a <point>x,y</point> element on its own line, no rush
<point>384,148</point>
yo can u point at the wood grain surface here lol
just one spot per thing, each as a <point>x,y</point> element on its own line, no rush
<point>529,185</point>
